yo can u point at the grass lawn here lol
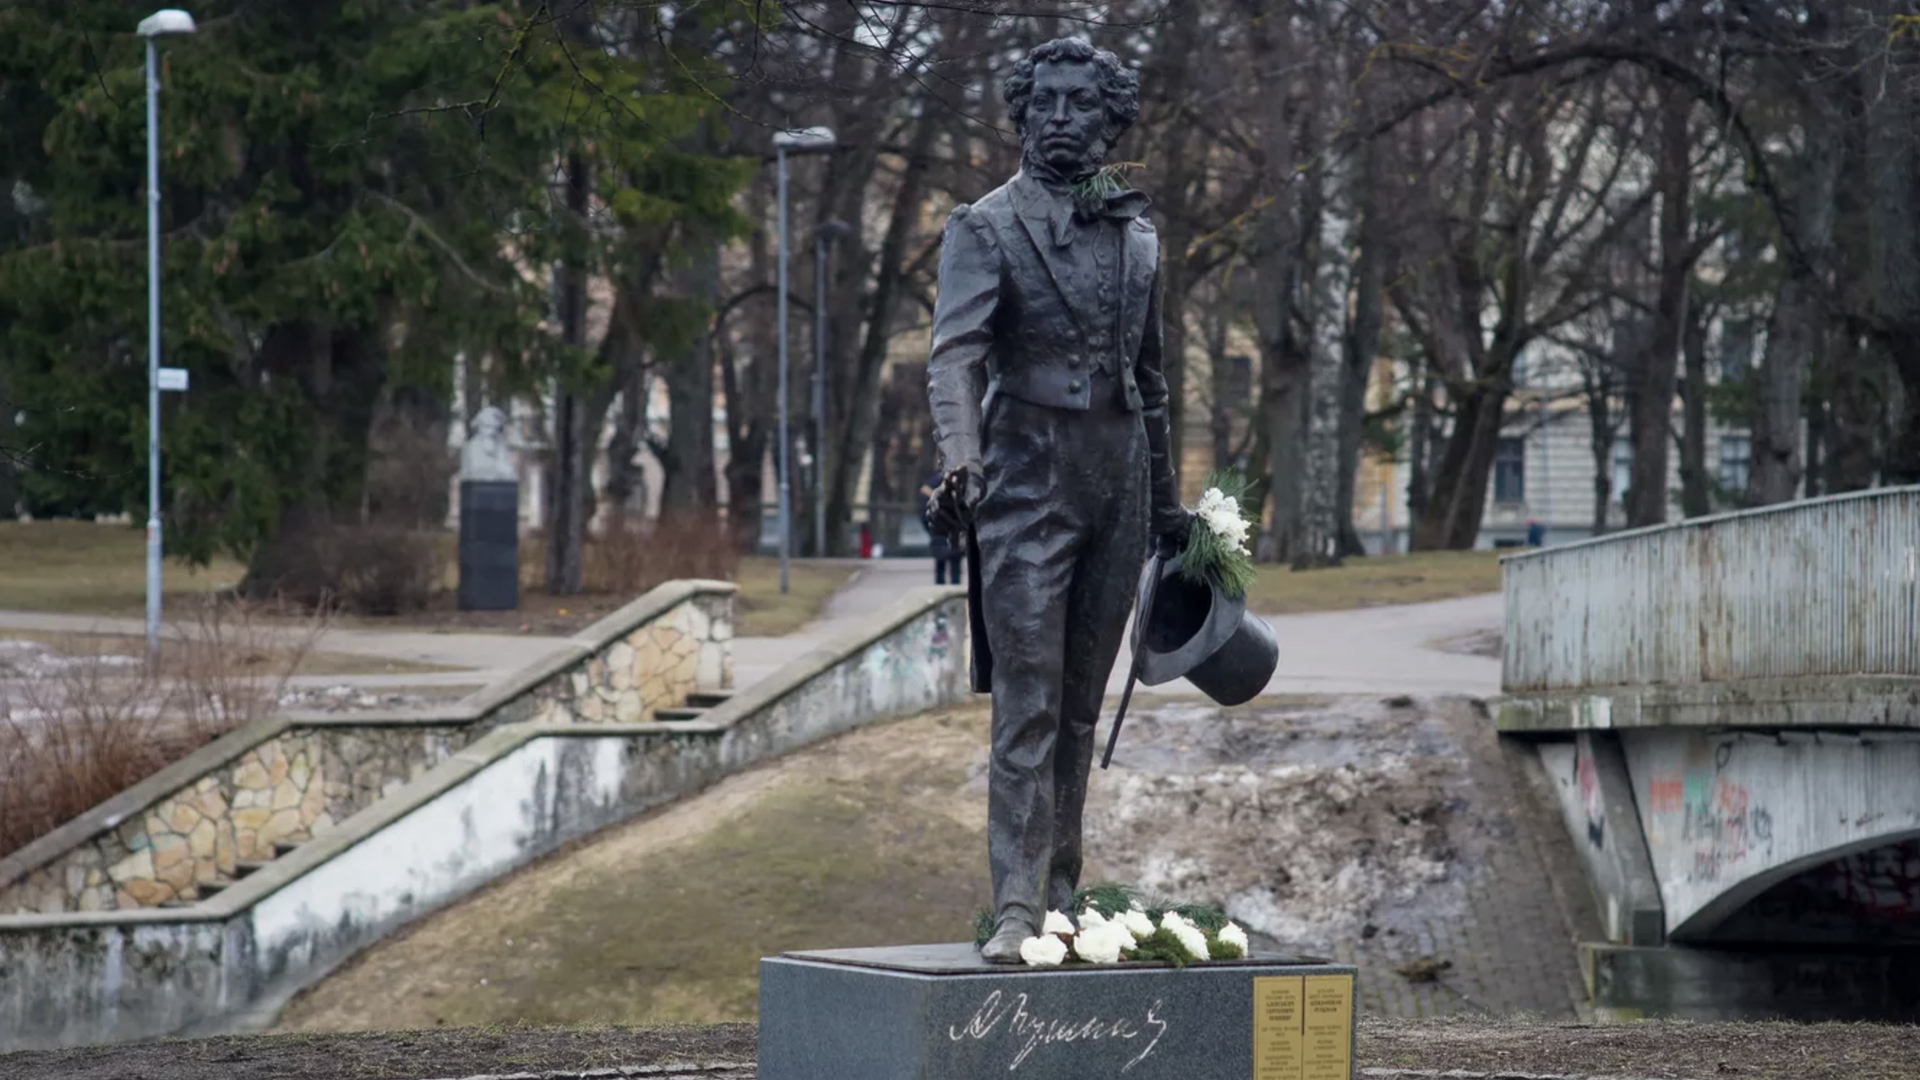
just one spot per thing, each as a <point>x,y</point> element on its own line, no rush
<point>81,568</point>
<point>78,567</point>
<point>761,611</point>
<point>1376,581</point>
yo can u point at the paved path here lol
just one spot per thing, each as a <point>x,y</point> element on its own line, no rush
<point>1379,650</point>
<point>480,658</point>
<point>1382,650</point>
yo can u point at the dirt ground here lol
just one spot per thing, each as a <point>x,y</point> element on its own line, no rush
<point>870,839</point>
<point>1479,1049</point>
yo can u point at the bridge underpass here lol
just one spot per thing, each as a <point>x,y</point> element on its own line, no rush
<point>1729,709</point>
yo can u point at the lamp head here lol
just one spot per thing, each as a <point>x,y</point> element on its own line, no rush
<point>813,138</point>
<point>166,21</point>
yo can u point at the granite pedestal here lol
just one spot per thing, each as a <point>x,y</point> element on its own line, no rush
<point>938,1012</point>
<point>489,545</point>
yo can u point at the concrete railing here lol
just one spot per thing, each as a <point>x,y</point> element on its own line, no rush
<point>231,961</point>
<point>1821,588</point>
<point>245,797</point>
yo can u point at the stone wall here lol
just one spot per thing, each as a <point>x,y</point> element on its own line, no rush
<point>299,781</point>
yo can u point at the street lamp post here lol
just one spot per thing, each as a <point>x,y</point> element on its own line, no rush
<point>806,140</point>
<point>822,240</point>
<point>167,21</point>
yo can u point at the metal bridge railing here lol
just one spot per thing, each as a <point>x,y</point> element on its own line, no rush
<point>1815,588</point>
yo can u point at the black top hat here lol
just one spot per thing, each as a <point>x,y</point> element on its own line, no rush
<point>1197,631</point>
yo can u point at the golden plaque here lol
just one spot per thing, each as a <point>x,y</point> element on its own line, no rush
<point>1303,1027</point>
<point>1328,1054</point>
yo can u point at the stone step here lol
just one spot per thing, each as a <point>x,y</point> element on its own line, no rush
<point>211,888</point>
<point>241,870</point>
<point>707,699</point>
<point>284,848</point>
<point>681,714</point>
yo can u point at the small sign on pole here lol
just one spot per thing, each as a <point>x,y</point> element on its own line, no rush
<point>173,378</point>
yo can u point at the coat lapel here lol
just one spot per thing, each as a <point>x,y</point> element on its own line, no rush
<point>1034,218</point>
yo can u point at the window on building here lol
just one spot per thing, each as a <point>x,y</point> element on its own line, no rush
<point>1622,469</point>
<point>1510,471</point>
<point>1736,461</point>
<point>1519,377</point>
<point>1240,378</point>
<point>1736,348</point>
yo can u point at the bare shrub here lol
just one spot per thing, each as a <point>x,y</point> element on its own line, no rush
<point>81,725</point>
<point>373,569</point>
<point>229,663</point>
<point>634,555</point>
<point>71,735</point>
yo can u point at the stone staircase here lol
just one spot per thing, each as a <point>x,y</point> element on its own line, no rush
<point>697,705</point>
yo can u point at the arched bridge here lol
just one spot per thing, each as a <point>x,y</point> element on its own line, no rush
<point>1729,708</point>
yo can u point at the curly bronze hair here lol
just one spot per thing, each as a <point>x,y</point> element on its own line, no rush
<point>1119,86</point>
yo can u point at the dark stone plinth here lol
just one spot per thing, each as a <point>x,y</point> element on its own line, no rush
<point>937,1012</point>
<point>489,545</point>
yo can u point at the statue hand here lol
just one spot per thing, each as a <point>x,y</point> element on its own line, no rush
<point>951,507</point>
<point>1170,528</point>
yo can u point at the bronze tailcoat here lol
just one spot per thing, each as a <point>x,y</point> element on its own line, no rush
<point>1045,379</point>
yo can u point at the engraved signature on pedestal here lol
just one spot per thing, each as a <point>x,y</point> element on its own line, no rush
<point>1031,1031</point>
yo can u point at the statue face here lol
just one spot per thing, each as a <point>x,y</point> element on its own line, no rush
<point>1067,117</point>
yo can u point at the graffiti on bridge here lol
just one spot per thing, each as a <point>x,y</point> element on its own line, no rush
<point>1715,814</point>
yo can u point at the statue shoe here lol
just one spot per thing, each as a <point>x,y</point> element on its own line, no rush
<point>1004,946</point>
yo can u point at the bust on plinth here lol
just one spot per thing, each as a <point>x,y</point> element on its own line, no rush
<point>489,517</point>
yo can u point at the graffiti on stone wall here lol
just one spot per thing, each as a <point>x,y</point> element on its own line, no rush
<point>1712,814</point>
<point>1587,775</point>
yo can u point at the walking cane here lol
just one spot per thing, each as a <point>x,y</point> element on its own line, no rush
<point>1139,649</point>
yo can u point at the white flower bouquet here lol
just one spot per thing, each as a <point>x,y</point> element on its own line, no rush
<point>1217,543</point>
<point>1116,925</point>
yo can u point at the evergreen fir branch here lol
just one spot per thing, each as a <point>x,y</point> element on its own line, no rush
<point>1207,556</point>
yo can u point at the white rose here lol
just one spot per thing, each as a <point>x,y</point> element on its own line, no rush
<point>1190,937</point>
<point>1043,951</point>
<point>1057,923</point>
<point>1236,937</point>
<point>1091,918</point>
<point>1102,944</point>
<point>1137,924</point>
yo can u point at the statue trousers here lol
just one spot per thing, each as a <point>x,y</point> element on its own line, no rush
<point>1062,534</point>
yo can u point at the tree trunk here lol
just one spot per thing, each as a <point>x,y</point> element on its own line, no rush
<point>1600,442</point>
<point>624,479</point>
<point>1220,389</point>
<point>1889,66</point>
<point>1175,175</point>
<point>690,480</point>
<point>339,373</point>
<point>1283,361</point>
<point>1450,521</point>
<point>567,525</point>
<point>1363,340</point>
<point>1795,330</point>
<point>1420,433</point>
<point>1696,487</point>
<point>749,387</point>
<point>1850,435</point>
<point>856,435</point>
<point>1318,544</point>
<point>1655,376</point>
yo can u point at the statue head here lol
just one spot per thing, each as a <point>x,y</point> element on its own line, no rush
<point>1071,103</point>
<point>489,423</point>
